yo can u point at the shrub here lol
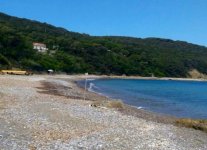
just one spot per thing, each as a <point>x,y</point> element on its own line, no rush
<point>115,104</point>
<point>195,124</point>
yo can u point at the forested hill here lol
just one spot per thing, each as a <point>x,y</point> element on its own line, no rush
<point>73,52</point>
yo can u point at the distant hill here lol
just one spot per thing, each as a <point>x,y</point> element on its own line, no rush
<point>73,52</point>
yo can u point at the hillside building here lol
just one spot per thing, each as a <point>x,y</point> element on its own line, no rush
<point>40,47</point>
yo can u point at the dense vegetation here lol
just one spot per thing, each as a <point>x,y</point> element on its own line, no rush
<point>72,52</point>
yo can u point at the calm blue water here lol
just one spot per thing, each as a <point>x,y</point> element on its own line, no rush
<point>177,98</point>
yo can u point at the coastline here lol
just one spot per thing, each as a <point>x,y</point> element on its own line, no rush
<point>102,99</point>
<point>49,112</point>
<point>156,78</point>
<point>129,109</point>
<point>197,124</point>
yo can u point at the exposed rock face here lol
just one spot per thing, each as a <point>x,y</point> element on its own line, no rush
<point>194,73</point>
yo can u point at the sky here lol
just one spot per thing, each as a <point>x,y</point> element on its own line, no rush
<point>184,20</point>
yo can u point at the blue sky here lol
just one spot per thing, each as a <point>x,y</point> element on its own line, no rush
<point>174,19</point>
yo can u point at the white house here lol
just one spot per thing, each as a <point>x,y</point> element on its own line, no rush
<point>40,47</point>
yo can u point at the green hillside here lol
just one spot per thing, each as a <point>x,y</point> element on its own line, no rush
<point>72,52</point>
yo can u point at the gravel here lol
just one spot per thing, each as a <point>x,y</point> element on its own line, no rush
<point>31,118</point>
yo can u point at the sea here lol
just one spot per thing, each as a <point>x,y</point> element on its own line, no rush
<point>182,99</point>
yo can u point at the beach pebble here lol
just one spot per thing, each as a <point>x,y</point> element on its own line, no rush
<point>50,120</point>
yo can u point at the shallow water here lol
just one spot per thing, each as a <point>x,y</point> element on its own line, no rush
<point>177,98</point>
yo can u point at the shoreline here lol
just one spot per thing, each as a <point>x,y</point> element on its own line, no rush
<point>82,76</point>
<point>49,112</point>
<point>133,110</point>
<point>129,109</point>
<point>101,101</point>
<point>92,97</point>
<point>155,78</point>
<point>141,78</point>
<point>195,123</point>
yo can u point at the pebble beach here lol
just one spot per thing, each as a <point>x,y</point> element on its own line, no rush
<point>49,112</point>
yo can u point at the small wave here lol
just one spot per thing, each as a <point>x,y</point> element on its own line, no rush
<point>91,87</point>
<point>137,107</point>
<point>140,107</point>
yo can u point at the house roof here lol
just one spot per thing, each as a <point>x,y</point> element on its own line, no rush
<point>39,44</point>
